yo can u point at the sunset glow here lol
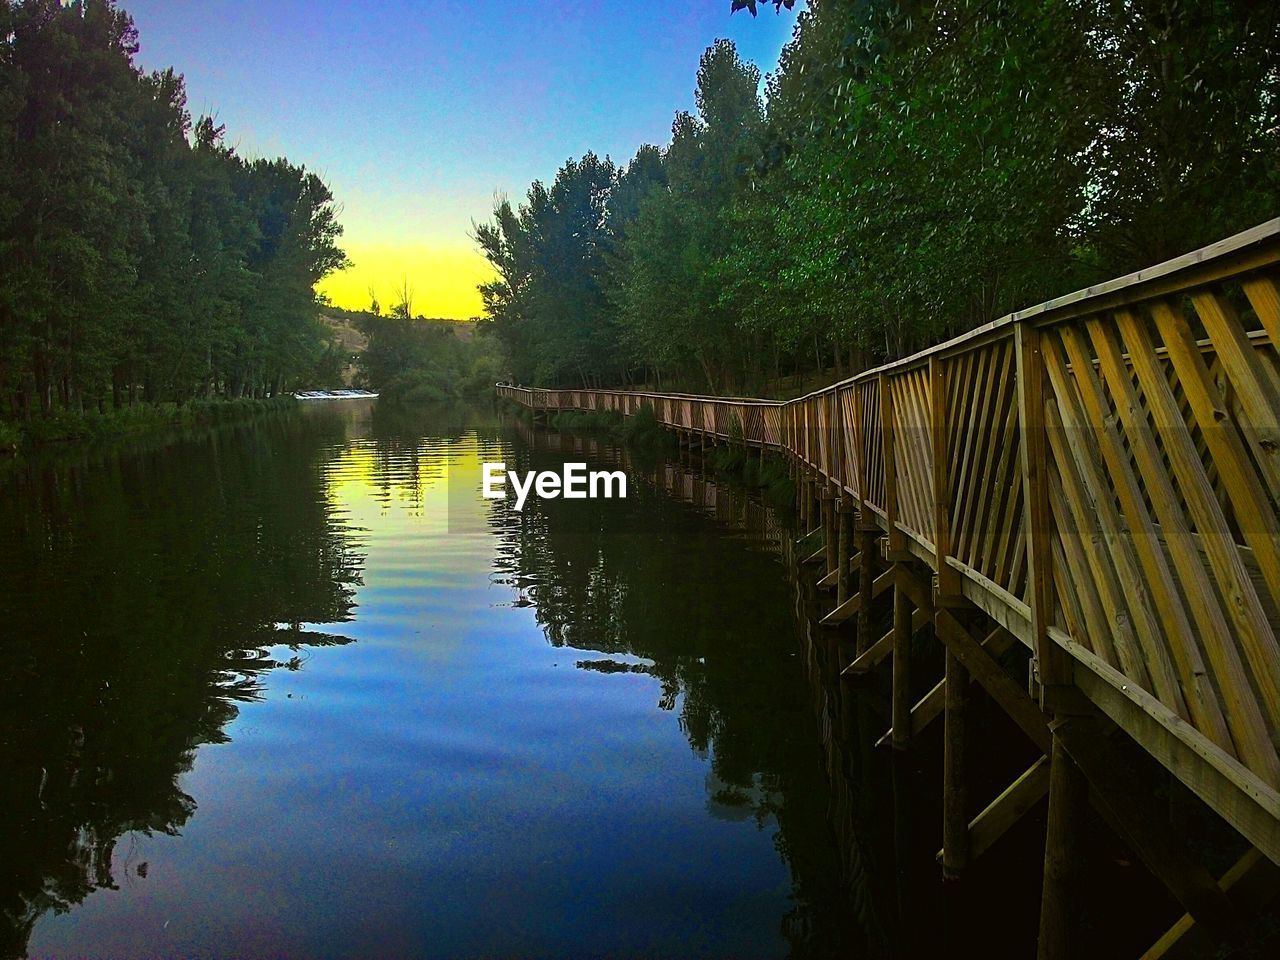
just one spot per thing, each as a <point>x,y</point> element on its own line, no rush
<point>417,114</point>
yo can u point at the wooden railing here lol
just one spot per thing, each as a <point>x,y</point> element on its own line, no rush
<point>1101,475</point>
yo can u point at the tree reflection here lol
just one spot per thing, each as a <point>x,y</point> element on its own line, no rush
<point>650,580</point>
<point>149,594</point>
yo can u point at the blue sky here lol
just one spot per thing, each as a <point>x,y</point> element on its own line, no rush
<point>416,113</point>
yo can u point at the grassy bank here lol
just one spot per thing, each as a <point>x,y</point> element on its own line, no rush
<point>641,431</point>
<point>744,465</point>
<point>66,427</point>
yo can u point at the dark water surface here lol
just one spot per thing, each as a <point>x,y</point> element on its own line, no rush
<point>295,689</point>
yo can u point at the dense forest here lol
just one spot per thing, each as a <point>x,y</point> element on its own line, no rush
<point>141,259</point>
<point>913,168</point>
<point>417,359</point>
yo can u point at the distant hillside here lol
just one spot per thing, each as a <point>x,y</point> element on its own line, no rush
<point>344,330</point>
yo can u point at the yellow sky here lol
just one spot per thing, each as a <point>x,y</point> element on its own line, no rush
<point>443,277</point>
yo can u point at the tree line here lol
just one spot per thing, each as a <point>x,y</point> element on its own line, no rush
<point>141,258</point>
<point>912,169</point>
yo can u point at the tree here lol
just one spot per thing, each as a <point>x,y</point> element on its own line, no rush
<point>143,259</point>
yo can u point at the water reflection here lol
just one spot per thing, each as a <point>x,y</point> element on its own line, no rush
<point>148,595</point>
<point>700,600</point>
<point>582,729</point>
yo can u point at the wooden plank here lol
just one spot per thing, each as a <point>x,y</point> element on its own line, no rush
<point>1244,488</point>
<point>1013,699</point>
<point>1113,564</point>
<point>1013,803</point>
<point>872,657</point>
<point>1255,386</point>
<point>1201,699</point>
<point>966,467</point>
<point>1235,793</point>
<point>930,706</point>
<point>1265,298</point>
<point>843,612</point>
<point>896,545</point>
<point>997,544</point>
<point>1000,385</point>
<point>1252,738</point>
<point>1252,882</point>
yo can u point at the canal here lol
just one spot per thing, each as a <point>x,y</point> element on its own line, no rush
<point>295,689</point>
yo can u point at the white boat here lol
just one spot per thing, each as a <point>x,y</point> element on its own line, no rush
<point>335,395</point>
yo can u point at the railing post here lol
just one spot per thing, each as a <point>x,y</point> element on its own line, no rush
<point>1033,452</point>
<point>948,576</point>
<point>897,540</point>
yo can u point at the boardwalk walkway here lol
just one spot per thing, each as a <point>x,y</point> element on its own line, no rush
<point>1097,477</point>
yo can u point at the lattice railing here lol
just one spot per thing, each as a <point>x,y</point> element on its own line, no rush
<point>1101,471</point>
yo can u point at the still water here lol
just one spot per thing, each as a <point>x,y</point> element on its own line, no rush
<point>295,689</point>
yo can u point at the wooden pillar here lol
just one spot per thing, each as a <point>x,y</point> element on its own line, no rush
<point>1060,896</point>
<point>948,576</point>
<point>842,550</point>
<point>901,661</point>
<point>955,796</point>
<point>829,525</point>
<point>866,578</point>
<point>1050,661</point>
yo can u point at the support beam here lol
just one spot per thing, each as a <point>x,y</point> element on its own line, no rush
<point>845,519</point>
<point>868,661</point>
<point>901,661</point>
<point>1124,799</point>
<point>930,706</point>
<point>1251,884</point>
<point>1060,895</point>
<point>843,612</point>
<point>1008,808</point>
<point>1013,699</point>
<point>866,580</point>
<point>955,790</point>
<point>829,526</point>
<point>1052,665</point>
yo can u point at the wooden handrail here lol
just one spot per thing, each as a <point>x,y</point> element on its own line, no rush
<point>1100,473</point>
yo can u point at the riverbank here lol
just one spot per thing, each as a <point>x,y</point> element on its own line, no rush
<point>65,429</point>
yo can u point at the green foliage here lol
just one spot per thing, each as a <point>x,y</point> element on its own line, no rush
<point>418,359</point>
<point>548,304</point>
<point>641,431</point>
<point>66,426</point>
<point>916,169</point>
<point>769,473</point>
<point>143,260</point>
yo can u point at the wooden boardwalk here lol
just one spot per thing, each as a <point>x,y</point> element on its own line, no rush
<point>1097,478</point>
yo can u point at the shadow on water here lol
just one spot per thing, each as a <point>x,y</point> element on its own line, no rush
<point>149,592</point>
